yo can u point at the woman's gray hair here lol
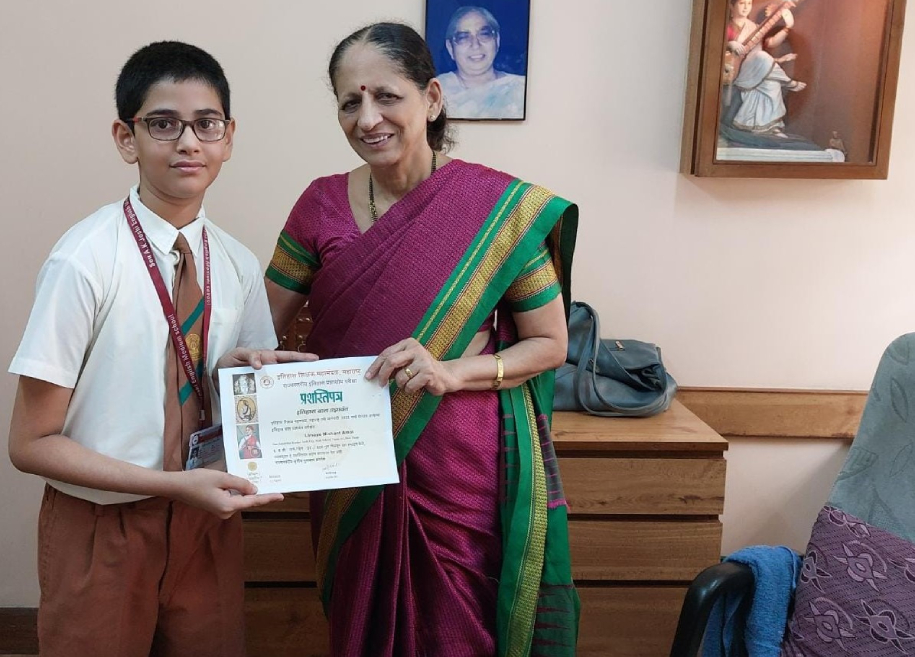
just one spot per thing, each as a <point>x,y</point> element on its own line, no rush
<point>460,12</point>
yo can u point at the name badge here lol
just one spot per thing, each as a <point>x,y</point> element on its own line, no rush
<point>205,448</point>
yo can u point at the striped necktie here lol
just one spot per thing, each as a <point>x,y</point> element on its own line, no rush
<point>182,406</point>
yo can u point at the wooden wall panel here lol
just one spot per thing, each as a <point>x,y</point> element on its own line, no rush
<point>777,413</point>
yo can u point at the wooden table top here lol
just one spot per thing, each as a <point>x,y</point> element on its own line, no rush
<point>676,430</point>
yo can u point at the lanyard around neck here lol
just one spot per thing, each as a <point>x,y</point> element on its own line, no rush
<point>168,308</point>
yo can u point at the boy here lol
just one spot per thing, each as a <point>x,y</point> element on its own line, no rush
<point>136,555</point>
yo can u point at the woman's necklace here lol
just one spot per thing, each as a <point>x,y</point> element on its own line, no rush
<point>372,209</point>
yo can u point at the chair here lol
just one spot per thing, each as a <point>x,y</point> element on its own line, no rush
<point>711,585</point>
<point>859,567</point>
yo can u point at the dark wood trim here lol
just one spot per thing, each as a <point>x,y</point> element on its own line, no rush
<point>760,413</point>
<point>18,631</point>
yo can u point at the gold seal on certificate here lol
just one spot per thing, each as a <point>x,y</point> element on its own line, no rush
<point>308,426</point>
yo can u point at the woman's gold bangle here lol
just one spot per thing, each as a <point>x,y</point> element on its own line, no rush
<point>500,370</point>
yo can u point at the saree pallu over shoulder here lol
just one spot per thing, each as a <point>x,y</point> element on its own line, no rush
<point>537,608</point>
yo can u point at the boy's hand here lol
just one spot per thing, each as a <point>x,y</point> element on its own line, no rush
<point>257,358</point>
<point>219,493</point>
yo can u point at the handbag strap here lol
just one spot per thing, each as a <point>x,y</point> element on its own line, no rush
<point>610,363</point>
<point>589,356</point>
<point>591,346</point>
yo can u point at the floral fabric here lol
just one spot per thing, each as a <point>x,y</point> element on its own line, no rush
<point>856,594</point>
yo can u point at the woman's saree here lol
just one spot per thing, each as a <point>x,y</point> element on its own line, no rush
<point>469,554</point>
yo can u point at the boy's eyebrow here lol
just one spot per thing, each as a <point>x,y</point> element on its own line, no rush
<point>171,112</point>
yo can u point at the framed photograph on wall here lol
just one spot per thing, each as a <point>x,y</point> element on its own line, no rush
<point>792,88</point>
<point>480,53</point>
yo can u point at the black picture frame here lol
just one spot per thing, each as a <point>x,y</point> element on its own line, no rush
<point>500,59</point>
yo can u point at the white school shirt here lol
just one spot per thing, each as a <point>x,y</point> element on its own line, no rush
<point>97,326</point>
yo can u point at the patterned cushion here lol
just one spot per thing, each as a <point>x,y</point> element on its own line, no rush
<point>856,594</point>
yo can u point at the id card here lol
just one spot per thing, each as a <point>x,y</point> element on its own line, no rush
<point>206,449</point>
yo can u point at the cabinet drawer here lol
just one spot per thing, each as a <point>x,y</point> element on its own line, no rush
<point>615,550</point>
<point>285,623</point>
<point>292,503</point>
<point>615,622</point>
<point>644,486</point>
<point>633,486</point>
<point>642,550</point>
<point>278,551</point>
<point>628,621</point>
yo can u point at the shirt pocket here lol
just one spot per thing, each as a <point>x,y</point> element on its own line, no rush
<point>225,325</point>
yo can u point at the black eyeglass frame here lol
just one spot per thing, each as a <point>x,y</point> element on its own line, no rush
<point>184,124</point>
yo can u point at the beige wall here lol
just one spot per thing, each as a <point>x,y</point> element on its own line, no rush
<point>744,283</point>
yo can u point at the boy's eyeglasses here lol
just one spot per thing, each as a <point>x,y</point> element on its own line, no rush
<point>485,36</point>
<point>170,128</point>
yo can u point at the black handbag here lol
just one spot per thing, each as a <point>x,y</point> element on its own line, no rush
<point>611,378</point>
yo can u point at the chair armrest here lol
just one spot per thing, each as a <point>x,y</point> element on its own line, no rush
<point>710,586</point>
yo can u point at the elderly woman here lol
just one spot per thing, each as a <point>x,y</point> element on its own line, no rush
<point>476,90</point>
<point>457,276</point>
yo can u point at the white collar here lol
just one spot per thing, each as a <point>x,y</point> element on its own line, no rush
<point>160,233</point>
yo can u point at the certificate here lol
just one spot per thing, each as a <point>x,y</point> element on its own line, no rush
<point>307,426</point>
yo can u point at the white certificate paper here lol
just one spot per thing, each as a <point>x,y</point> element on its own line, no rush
<point>307,426</point>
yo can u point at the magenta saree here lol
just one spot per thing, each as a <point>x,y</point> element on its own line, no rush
<point>468,555</point>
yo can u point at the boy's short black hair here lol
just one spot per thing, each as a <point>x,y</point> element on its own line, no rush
<point>166,60</point>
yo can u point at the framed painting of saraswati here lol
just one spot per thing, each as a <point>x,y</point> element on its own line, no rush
<point>792,88</point>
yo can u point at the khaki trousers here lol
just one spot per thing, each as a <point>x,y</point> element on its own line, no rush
<point>150,578</point>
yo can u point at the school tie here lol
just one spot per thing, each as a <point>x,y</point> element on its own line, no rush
<point>182,406</point>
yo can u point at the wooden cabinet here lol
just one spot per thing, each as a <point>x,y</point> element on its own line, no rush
<point>644,497</point>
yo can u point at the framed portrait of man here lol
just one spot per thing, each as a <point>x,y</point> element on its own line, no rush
<point>792,88</point>
<point>480,54</point>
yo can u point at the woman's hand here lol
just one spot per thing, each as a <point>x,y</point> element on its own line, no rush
<point>737,48</point>
<point>412,367</point>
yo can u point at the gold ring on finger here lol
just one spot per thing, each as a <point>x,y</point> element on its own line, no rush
<point>409,372</point>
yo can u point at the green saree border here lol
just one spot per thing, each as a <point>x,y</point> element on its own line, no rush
<point>288,249</point>
<point>524,527</point>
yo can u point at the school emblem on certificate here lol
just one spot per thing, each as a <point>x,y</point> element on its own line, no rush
<point>308,426</point>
